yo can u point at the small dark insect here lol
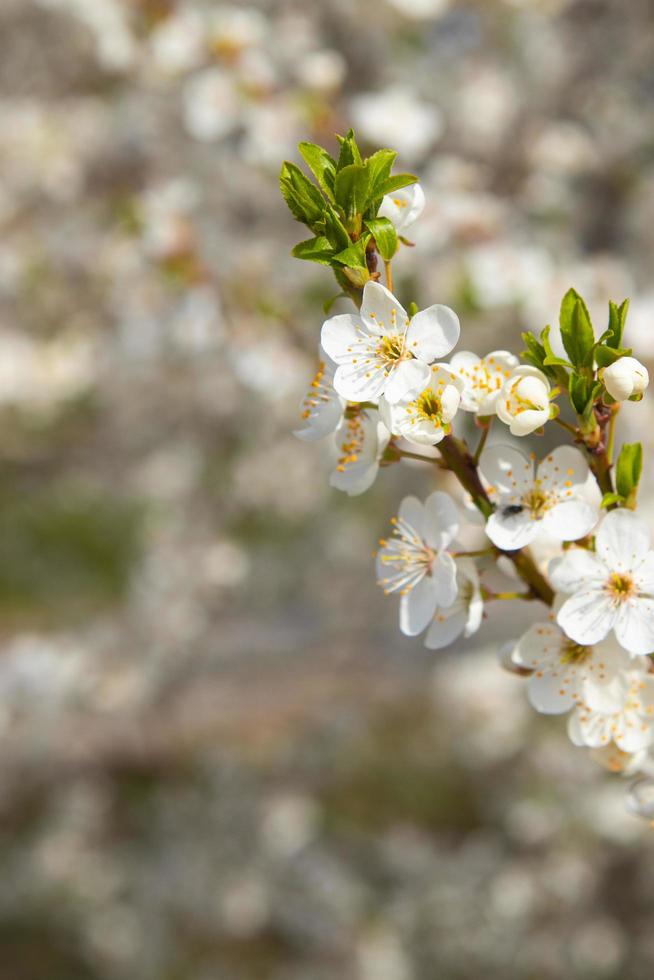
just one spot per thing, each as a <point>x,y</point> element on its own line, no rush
<point>512,509</point>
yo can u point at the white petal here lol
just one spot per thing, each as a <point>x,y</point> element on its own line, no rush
<point>355,385</point>
<point>356,478</point>
<point>433,333</point>
<point>403,207</point>
<point>548,695</point>
<point>417,607</point>
<point>381,311</point>
<point>445,628</point>
<point>563,469</point>
<point>578,569</point>
<point>408,377</point>
<point>587,617</point>
<point>441,520</point>
<point>570,520</point>
<point>338,333</point>
<point>443,574</point>
<point>623,540</point>
<point>634,629</point>
<point>644,574</point>
<point>412,512</point>
<point>508,471</point>
<point>527,422</point>
<point>539,646</point>
<point>510,531</point>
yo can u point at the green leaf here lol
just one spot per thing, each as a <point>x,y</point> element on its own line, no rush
<point>305,201</point>
<point>576,330</point>
<point>333,229</point>
<point>351,189</point>
<point>617,320</point>
<point>551,358</point>
<point>322,166</point>
<point>535,353</point>
<point>355,255</point>
<point>314,250</point>
<point>350,152</point>
<point>383,231</point>
<point>628,469</point>
<point>379,166</point>
<point>609,499</point>
<point>578,386</point>
<point>394,183</point>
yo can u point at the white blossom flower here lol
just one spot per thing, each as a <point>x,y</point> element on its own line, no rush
<point>464,615</point>
<point>562,668</point>
<point>530,505</point>
<point>211,105</point>
<point>612,588</point>
<point>524,401</point>
<point>232,29</point>
<point>424,417</point>
<point>381,351</point>
<point>483,377</point>
<point>403,207</point>
<point>621,712</point>
<point>361,440</point>
<point>625,378</point>
<point>322,408</point>
<point>415,562</point>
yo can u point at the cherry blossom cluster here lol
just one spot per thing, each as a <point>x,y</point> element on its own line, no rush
<point>561,528</point>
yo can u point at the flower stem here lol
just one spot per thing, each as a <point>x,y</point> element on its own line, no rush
<point>611,434</point>
<point>389,276</point>
<point>482,443</point>
<point>566,426</point>
<point>404,454</point>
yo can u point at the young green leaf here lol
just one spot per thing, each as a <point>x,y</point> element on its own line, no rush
<point>579,388</point>
<point>355,255</point>
<point>394,183</point>
<point>551,359</point>
<point>576,329</point>
<point>379,166</point>
<point>350,152</point>
<point>628,469</point>
<point>322,166</point>
<point>617,320</point>
<point>383,231</point>
<point>605,355</point>
<point>314,250</point>
<point>305,201</point>
<point>535,353</point>
<point>351,189</point>
<point>333,229</point>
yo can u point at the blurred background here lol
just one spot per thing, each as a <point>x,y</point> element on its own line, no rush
<point>219,759</point>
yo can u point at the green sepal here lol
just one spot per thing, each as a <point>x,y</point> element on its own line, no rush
<point>304,200</point>
<point>385,235</point>
<point>316,249</point>
<point>610,499</point>
<point>351,189</point>
<point>605,355</point>
<point>629,469</point>
<point>576,330</point>
<point>322,166</point>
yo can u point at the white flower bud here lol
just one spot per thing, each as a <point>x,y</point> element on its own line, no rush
<point>524,402</point>
<point>624,378</point>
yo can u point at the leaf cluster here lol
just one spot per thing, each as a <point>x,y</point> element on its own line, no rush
<point>340,206</point>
